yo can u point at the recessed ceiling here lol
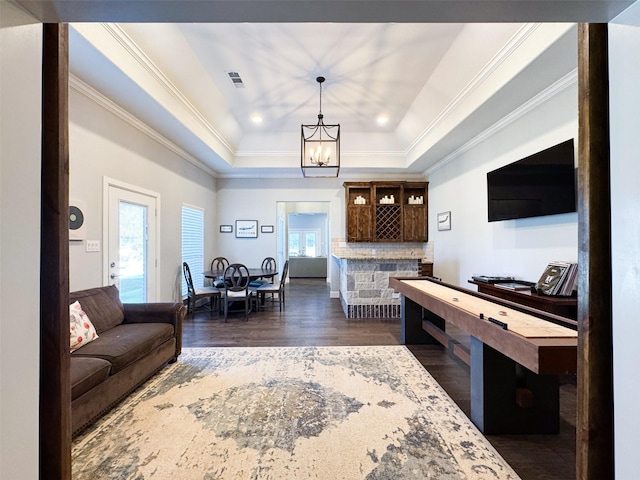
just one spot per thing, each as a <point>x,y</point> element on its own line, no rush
<point>425,79</point>
<point>369,68</point>
<point>440,85</point>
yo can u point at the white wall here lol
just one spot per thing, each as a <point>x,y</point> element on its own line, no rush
<point>20,121</point>
<point>102,144</point>
<point>624,51</point>
<point>255,199</point>
<point>515,247</point>
<point>520,248</point>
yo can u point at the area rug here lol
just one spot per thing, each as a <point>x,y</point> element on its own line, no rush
<point>288,413</point>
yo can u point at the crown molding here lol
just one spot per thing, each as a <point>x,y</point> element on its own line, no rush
<point>135,122</point>
<point>343,153</point>
<point>547,94</point>
<point>137,54</point>
<point>510,48</point>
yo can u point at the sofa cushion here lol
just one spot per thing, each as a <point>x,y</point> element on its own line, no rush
<point>102,305</point>
<point>81,330</point>
<point>86,373</point>
<point>125,344</point>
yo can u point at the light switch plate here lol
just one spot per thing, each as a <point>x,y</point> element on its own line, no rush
<point>92,245</point>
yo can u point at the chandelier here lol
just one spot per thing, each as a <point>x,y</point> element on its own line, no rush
<point>320,151</point>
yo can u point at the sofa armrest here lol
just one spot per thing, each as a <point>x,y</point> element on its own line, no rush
<point>158,312</point>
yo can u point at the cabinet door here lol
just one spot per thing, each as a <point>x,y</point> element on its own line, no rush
<point>415,223</point>
<point>359,223</point>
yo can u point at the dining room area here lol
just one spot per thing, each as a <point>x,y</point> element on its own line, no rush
<point>228,288</point>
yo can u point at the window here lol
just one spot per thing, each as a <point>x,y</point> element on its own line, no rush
<point>310,244</point>
<point>193,244</point>
<point>294,244</point>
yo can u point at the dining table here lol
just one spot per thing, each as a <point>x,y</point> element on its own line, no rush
<point>254,273</point>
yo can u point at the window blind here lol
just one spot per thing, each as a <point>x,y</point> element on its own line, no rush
<point>193,244</point>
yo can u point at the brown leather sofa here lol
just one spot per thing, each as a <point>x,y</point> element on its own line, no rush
<point>134,342</point>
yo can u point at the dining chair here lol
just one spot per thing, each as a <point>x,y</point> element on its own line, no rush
<point>219,264</point>
<point>194,293</point>
<point>273,289</point>
<point>236,288</point>
<point>269,263</point>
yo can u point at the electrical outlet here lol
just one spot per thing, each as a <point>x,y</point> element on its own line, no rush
<point>396,295</point>
<point>92,245</point>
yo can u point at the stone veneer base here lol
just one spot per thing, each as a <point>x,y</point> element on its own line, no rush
<point>364,286</point>
<point>372,311</point>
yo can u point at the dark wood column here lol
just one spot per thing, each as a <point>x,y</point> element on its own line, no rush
<point>594,449</point>
<point>55,387</point>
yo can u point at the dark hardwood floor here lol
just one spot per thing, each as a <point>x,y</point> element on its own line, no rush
<point>312,318</point>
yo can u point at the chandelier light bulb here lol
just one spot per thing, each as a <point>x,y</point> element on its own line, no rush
<point>318,157</point>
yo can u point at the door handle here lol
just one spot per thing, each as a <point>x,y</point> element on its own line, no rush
<point>113,275</point>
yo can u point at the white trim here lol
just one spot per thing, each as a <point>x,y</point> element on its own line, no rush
<point>565,82</point>
<point>135,122</point>
<point>139,56</point>
<point>483,75</point>
<point>343,153</point>
<point>195,207</point>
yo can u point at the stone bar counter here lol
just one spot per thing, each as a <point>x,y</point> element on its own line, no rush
<point>365,269</point>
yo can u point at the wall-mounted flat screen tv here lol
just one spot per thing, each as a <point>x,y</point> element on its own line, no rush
<point>541,184</point>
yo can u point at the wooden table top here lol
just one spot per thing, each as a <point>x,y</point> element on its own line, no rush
<point>539,345</point>
<point>254,273</point>
<point>521,323</point>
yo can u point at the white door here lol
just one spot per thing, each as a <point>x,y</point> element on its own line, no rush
<point>304,243</point>
<point>131,237</point>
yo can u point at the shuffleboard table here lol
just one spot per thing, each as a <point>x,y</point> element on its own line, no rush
<point>515,361</point>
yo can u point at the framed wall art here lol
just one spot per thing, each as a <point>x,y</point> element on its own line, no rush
<point>226,228</point>
<point>266,228</point>
<point>444,221</point>
<point>246,229</point>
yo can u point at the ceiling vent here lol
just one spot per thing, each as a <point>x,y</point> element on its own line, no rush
<point>235,79</point>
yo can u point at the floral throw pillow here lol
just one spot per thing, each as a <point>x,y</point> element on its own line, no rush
<point>81,329</point>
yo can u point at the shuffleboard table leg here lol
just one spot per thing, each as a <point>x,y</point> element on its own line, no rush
<point>411,331</point>
<point>508,398</point>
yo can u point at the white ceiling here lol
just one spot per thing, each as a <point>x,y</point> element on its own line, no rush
<point>440,85</point>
